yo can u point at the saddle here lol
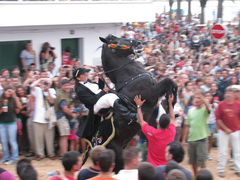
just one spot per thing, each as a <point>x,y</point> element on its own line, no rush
<point>127,102</point>
<point>107,127</point>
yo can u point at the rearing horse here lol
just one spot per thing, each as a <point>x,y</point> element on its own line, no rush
<point>130,79</point>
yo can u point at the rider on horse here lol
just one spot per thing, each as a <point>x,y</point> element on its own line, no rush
<point>96,97</point>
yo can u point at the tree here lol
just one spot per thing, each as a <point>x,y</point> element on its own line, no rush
<point>179,9</point>
<point>170,5</point>
<point>189,17</point>
<point>203,5</point>
<point>220,10</point>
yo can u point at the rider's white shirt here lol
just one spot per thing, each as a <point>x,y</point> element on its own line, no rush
<point>92,86</point>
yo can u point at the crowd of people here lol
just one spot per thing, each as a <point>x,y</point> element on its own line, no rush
<point>40,113</point>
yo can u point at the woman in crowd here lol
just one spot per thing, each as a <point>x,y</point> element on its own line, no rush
<point>47,55</point>
<point>9,106</point>
<point>23,116</point>
<point>27,56</point>
<point>211,120</point>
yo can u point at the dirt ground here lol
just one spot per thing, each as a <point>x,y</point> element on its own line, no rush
<point>47,165</point>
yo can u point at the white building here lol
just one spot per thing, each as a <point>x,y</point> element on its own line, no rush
<point>77,23</point>
<point>63,23</point>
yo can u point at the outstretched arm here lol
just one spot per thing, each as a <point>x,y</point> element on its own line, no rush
<point>139,104</point>
<point>207,105</point>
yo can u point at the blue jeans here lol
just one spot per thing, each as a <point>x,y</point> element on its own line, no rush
<point>8,135</point>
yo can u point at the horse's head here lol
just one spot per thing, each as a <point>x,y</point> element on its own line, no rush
<point>122,46</point>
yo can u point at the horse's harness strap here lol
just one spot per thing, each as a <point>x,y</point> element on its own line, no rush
<point>133,79</point>
<point>117,69</point>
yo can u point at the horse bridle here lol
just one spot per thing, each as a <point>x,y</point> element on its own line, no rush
<point>118,46</point>
<point>119,68</point>
<point>113,70</point>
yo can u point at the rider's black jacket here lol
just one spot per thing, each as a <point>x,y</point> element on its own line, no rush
<point>89,99</point>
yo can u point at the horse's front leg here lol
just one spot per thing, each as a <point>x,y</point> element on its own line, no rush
<point>166,87</point>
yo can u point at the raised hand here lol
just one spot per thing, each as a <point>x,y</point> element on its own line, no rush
<point>138,100</point>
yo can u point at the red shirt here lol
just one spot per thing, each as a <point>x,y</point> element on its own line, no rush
<point>181,64</point>
<point>158,139</point>
<point>66,58</point>
<point>229,114</point>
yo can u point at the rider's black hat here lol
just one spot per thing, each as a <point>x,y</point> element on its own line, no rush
<point>77,72</point>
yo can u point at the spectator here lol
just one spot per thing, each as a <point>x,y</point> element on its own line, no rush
<point>1,85</point>
<point>43,131</point>
<point>23,116</point>
<point>5,73</point>
<point>204,174</point>
<point>207,85</point>
<point>25,170</point>
<point>179,116</point>
<point>93,170</point>
<point>66,56</point>
<point>197,132</point>
<point>175,153</point>
<point>43,74</point>
<point>72,162</point>
<point>28,56</point>
<point>175,174</point>
<point>51,70</point>
<point>211,121</point>
<point>16,71</point>
<point>234,80</point>
<point>10,105</point>
<point>227,116</point>
<point>132,158</point>
<point>15,81</point>
<point>32,67</point>
<point>188,92</point>
<point>6,175</point>
<point>30,129</point>
<point>28,173</point>
<point>106,164</point>
<point>146,171</point>
<point>64,114</point>
<point>82,113</point>
<point>158,139</point>
<point>223,83</point>
<point>21,164</point>
<point>47,55</point>
<point>206,68</point>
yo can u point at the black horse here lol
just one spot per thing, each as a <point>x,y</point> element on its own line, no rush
<point>130,79</point>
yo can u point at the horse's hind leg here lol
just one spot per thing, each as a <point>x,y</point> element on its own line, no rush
<point>118,153</point>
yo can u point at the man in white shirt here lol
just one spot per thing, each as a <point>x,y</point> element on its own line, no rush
<point>43,133</point>
<point>132,158</point>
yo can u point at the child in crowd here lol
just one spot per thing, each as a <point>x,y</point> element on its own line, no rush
<point>74,124</point>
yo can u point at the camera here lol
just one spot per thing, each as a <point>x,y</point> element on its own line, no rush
<point>52,48</point>
<point>46,83</point>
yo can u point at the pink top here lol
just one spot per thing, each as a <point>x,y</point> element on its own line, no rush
<point>6,175</point>
<point>56,178</point>
<point>158,139</point>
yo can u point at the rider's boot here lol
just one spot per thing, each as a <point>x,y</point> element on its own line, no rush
<point>124,111</point>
